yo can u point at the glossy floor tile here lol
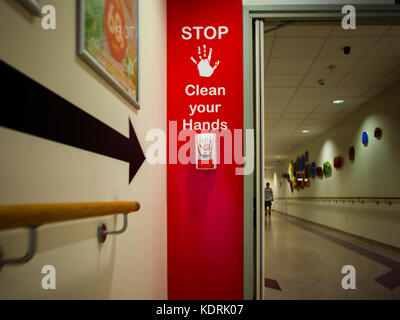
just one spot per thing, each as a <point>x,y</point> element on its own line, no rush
<point>306,261</point>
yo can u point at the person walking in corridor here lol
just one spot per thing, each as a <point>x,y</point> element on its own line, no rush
<point>269,197</point>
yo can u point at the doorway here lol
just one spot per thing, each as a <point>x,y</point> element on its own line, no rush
<point>272,34</point>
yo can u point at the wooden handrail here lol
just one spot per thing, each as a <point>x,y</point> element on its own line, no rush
<point>27,215</point>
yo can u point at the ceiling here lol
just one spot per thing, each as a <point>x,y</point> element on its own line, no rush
<point>298,56</point>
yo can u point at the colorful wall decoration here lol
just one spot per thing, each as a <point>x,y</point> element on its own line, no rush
<point>327,169</point>
<point>302,163</point>
<point>313,169</point>
<point>320,172</point>
<point>298,160</point>
<point>338,162</point>
<point>364,138</point>
<point>299,180</point>
<point>351,153</point>
<point>291,168</point>
<point>307,170</point>
<point>378,133</point>
<point>108,41</point>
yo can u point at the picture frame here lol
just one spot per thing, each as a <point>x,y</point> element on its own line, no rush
<point>108,40</point>
<point>33,6</point>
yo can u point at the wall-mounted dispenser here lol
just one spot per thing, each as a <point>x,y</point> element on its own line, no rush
<point>206,151</point>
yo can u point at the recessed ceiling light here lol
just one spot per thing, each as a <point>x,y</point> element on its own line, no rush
<point>338,101</point>
<point>305,131</point>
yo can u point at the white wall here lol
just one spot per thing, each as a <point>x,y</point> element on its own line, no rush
<point>374,172</point>
<point>35,170</point>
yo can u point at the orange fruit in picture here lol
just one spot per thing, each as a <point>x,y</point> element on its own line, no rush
<point>114,24</point>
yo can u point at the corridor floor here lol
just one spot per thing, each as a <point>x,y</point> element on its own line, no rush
<point>304,261</point>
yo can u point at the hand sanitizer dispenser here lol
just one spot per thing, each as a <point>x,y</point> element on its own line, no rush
<point>205,151</point>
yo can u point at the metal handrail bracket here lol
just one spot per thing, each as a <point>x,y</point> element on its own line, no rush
<point>102,230</point>
<point>28,256</point>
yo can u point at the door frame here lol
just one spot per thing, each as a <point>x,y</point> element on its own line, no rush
<point>382,14</point>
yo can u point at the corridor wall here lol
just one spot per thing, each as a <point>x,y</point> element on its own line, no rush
<point>374,172</point>
<point>35,170</point>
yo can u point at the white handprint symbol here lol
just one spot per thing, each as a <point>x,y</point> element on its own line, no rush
<point>205,70</point>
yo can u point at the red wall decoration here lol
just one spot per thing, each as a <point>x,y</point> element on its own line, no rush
<point>320,172</point>
<point>205,208</point>
<point>351,153</point>
<point>338,162</point>
<point>378,133</point>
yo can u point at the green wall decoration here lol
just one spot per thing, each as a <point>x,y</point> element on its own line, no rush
<point>327,169</point>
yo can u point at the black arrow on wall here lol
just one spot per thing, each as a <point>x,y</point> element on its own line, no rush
<point>29,107</point>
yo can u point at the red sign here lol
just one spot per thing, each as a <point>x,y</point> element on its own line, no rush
<point>204,93</point>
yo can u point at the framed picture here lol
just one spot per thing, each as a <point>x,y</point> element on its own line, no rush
<point>108,41</point>
<point>33,6</point>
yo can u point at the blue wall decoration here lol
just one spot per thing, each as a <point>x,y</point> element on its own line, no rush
<point>313,169</point>
<point>365,138</point>
<point>302,162</point>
